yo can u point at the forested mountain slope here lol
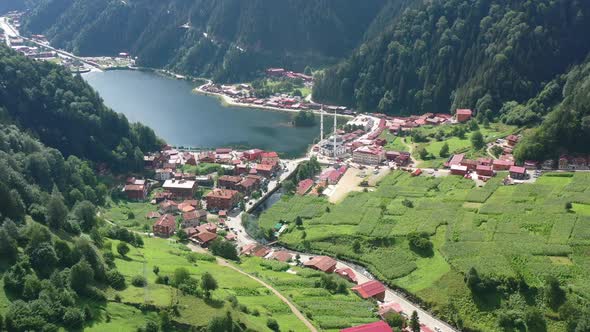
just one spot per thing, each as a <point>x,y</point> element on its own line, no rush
<point>67,114</point>
<point>461,53</point>
<point>225,39</point>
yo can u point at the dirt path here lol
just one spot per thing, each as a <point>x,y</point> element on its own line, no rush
<point>294,309</point>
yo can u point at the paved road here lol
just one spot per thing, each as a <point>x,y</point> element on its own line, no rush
<point>291,306</point>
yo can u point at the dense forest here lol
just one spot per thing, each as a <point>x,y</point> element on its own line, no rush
<point>224,39</point>
<point>461,53</point>
<point>65,113</point>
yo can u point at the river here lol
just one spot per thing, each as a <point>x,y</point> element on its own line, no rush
<point>184,118</point>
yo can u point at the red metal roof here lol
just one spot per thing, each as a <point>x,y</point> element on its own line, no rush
<point>379,326</point>
<point>166,220</point>
<point>517,169</point>
<point>322,263</point>
<point>369,289</point>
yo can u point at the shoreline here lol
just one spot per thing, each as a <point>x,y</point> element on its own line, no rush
<point>228,101</point>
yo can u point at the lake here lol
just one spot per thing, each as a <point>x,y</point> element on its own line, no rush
<point>184,118</point>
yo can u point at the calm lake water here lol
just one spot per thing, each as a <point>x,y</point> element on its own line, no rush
<point>184,118</point>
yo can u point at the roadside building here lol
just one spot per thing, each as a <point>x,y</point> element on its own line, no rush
<point>463,115</point>
<point>162,196</point>
<point>269,156</point>
<point>371,289</point>
<point>369,155</point>
<point>222,199</point>
<point>518,173</point>
<point>229,182</point>
<point>379,326</point>
<point>247,186</point>
<point>208,227</point>
<point>391,307</point>
<point>266,170</point>
<point>163,174</point>
<point>329,148</point>
<point>304,186</point>
<point>459,170</point>
<point>281,256</point>
<point>484,170</point>
<point>502,165</point>
<point>180,188</point>
<point>470,164</point>
<point>165,226</point>
<point>347,274</point>
<point>484,161</point>
<point>398,157</point>
<point>321,263</point>
<point>512,140</point>
<point>455,159</point>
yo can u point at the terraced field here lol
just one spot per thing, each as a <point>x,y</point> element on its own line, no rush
<point>507,233</point>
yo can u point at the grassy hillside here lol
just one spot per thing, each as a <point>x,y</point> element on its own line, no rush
<point>515,237</point>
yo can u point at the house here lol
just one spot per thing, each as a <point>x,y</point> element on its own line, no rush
<point>459,170</point>
<point>185,207</point>
<point>180,188</point>
<point>208,227</point>
<point>223,150</point>
<point>281,256</point>
<point>463,115</point>
<point>531,164</point>
<point>379,326</point>
<point>368,155</point>
<point>248,249</point>
<point>304,186</point>
<point>347,274</point>
<point>371,289</point>
<point>247,186</point>
<point>252,155</point>
<point>518,173</point>
<point>512,140</point>
<point>456,159</point>
<point>390,307</point>
<point>502,165</point>
<point>470,164</point>
<point>153,215</point>
<point>164,174</point>
<point>484,161</point>
<point>204,180</point>
<point>168,207</point>
<point>229,182</point>
<point>207,157</point>
<point>484,170</point>
<point>204,238</point>
<point>231,236</point>
<point>165,226</point>
<point>162,196</point>
<point>269,156</point>
<point>222,199</point>
<point>136,192</point>
<point>266,170</point>
<point>194,218</point>
<point>321,263</point>
<point>399,157</point>
<point>190,231</point>
<point>261,252</point>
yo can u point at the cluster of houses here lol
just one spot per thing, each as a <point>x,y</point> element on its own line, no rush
<point>485,168</point>
<point>314,187</point>
<point>245,172</point>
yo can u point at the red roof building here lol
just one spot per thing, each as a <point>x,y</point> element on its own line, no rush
<point>304,186</point>
<point>512,140</point>
<point>252,155</point>
<point>322,263</point>
<point>459,170</point>
<point>386,308</point>
<point>369,289</point>
<point>518,173</point>
<point>204,238</point>
<point>135,192</point>
<point>502,165</point>
<point>456,159</point>
<point>281,256</point>
<point>464,115</point>
<point>222,199</point>
<point>347,274</point>
<point>229,182</point>
<point>484,170</point>
<point>265,170</point>
<point>165,226</point>
<point>379,326</point>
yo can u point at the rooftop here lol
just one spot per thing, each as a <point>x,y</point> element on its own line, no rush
<point>379,326</point>
<point>369,289</point>
<point>222,193</point>
<point>179,184</point>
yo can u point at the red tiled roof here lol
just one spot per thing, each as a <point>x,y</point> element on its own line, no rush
<point>389,307</point>
<point>281,256</point>
<point>346,273</point>
<point>304,186</point>
<point>464,111</point>
<point>369,289</point>
<point>483,168</point>
<point>166,220</point>
<point>456,159</point>
<point>153,215</point>
<point>517,169</point>
<point>270,154</point>
<point>205,237</point>
<point>322,263</point>
<point>222,193</point>
<point>379,326</point>
<point>134,187</point>
<point>501,162</point>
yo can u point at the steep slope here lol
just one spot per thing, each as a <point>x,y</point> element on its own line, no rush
<point>226,39</point>
<point>461,53</point>
<point>567,128</point>
<point>67,114</point>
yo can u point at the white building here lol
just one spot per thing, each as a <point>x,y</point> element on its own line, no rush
<point>369,155</point>
<point>329,149</point>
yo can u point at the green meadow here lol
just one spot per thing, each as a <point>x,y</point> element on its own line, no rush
<point>507,233</point>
